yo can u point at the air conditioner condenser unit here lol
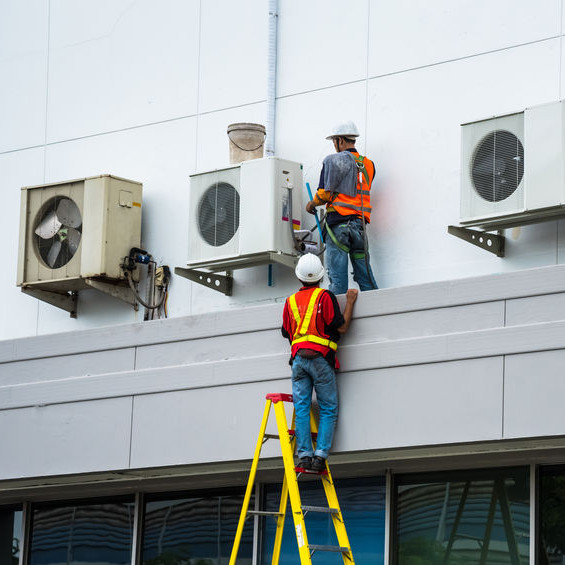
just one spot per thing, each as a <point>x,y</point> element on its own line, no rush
<point>241,215</point>
<point>74,231</point>
<point>513,168</point>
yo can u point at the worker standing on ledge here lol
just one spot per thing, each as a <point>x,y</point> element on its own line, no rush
<point>344,187</point>
<point>313,323</point>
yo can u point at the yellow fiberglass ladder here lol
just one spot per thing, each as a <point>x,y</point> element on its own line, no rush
<point>290,489</point>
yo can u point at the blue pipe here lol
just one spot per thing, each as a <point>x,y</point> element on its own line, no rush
<point>315,212</point>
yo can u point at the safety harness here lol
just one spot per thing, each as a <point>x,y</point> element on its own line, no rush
<point>359,161</point>
<point>302,324</point>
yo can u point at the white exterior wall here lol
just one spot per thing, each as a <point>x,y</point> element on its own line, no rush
<point>146,92</point>
<point>442,365</point>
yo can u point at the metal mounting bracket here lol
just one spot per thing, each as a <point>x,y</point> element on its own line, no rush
<point>66,301</point>
<point>221,283</point>
<point>487,241</point>
<point>118,291</point>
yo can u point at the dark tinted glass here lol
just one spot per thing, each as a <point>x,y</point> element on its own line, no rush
<point>10,536</point>
<point>464,519</point>
<point>552,517</point>
<point>100,534</point>
<point>362,502</point>
<point>195,531</point>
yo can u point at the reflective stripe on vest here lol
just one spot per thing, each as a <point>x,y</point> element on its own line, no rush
<point>302,324</point>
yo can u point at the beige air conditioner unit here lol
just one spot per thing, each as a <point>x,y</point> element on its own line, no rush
<point>513,168</point>
<point>74,235</point>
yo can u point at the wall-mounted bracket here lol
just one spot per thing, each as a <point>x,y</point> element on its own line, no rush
<point>120,291</point>
<point>487,241</point>
<point>221,283</point>
<point>65,300</point>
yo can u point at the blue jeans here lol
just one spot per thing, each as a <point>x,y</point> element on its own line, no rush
<point>350,234</point>
<point>318,374</point>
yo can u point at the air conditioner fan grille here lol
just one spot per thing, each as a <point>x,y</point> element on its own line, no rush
<point>218,214</point>
<point>498,165</point>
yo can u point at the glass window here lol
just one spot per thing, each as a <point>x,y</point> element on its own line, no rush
<point>463,518</point>
<point>195,531</point>
<point>80,534</point>
<point>362,503</point>
<point>551,546</point>
<point>10,535</point>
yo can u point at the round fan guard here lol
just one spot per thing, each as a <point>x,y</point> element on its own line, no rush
<point>218,214</point>
<point>497,166</point>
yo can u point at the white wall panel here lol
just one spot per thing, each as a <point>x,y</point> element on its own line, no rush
<point>68,438</point>
<point>17,169</point>
<point>406,34</point>
<point>322,44</point>
<point>414,135</point>
<point>233,54</point>
<point>167,428</point>
<point>424,405</point>
<point>536,309</point>
<point>115,65</point>
<point>534,389</point>
<point>23,68</point>
<point>52,368</point>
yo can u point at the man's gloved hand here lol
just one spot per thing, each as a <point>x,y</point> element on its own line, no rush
<point>311,207</point>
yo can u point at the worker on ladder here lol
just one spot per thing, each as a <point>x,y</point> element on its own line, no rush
<point>345,189</point>
<point>313,323</point>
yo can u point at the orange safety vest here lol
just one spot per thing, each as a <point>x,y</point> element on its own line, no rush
<point>304,306</point>
<point>361,202</point>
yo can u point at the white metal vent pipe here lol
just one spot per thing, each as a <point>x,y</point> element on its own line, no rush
<point>272,78</point>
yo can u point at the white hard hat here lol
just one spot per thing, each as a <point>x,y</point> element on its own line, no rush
<point>309,268</point>
<point>345,129</point>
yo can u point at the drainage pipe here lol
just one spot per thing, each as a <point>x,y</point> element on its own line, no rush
<point>271,78</point>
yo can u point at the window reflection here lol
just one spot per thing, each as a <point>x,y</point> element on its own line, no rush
<point>195,531</point>
<point>82,534</point>
<point>463,519</point>
<point>362,502</point>
<point>10,536</point>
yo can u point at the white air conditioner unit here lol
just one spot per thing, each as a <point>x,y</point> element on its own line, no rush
<point>513,168</point>
<point>75,231</point>
<point>241,214</point>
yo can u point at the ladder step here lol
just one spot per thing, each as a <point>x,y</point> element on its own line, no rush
<point>320,509</point>
<point>271,436</point>
<point>264,513</point>
<point>335,548</point>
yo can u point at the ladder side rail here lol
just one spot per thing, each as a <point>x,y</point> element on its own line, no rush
<point>333,502</point>
<point>250,483</point>
<point>283,505</point>
<point>292,483</point>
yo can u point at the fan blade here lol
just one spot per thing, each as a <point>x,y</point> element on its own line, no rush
<point>49,226</point>
<point>68,213</point>
<point>54,253</point>
<point>73,239</point>
<point>484,166</point>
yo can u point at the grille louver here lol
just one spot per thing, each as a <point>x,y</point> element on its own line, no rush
<point>218,214</point>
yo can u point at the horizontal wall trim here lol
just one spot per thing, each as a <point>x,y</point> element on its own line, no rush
<point>370,356</point>
<point>444,294</point>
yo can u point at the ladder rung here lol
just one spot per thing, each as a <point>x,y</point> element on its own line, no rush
<point>335,548</point>
<point>320,509</point>
<point>271,436</point>
<point>264,513</point>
